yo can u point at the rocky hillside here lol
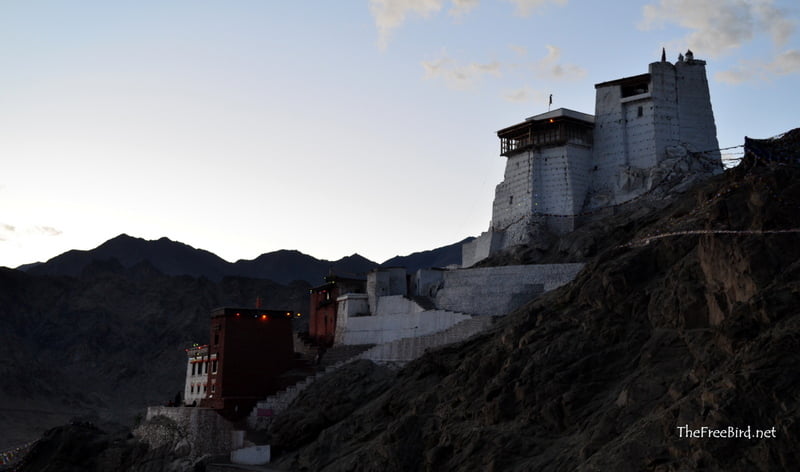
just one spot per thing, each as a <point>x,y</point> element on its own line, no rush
<point>686,317</point>
<point>108,342</point>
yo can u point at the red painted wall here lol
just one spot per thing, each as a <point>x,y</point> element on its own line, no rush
<point>253,348</point>
<point>322,312</point>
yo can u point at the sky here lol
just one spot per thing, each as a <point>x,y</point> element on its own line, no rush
<point>355,126</point>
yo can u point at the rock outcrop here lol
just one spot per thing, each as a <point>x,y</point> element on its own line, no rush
<point>86,447</point>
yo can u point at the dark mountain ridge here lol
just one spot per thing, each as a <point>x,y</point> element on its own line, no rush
<point>284,266</point>
<point>439,257</point>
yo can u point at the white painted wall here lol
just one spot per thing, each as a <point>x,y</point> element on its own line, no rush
<point>513,199</point>
<point>348,306</point>
<point>698,132</point>
<point>387,328</point>
<point>253,455</point>
<point>499,290</point>
<point>632,134</point>
<point>384,282</point>
<point>396,305</point>
<point>426,281</point>
<point>196,376</point>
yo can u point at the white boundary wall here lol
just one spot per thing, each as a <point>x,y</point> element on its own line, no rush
<point>497,291</point>
<point>381,329</point>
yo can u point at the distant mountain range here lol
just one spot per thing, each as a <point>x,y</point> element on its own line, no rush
<point>284,266</point>
<point>117,318</point>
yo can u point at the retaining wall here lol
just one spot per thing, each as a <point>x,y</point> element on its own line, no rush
<point>387,328</point>
<point>497,291</point>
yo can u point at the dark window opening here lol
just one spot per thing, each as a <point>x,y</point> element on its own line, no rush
<point>640,112</point>
<point>511,199</point>
<point>636,88</point>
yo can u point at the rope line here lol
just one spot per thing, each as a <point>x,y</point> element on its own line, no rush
<point>646,240</point>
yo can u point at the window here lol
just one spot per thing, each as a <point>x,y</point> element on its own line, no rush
<point>511,199</point>
<point>214,368</point>
<point>640,112</point>
<point>636,87</point>
<point>194,368</point>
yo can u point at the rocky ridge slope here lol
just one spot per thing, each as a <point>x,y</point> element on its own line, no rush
<point>687,317</point>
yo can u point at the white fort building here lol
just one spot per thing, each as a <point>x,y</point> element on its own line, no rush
<point>563,166</point>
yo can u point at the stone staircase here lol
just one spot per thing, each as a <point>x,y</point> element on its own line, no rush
<point>398,352</point>
<point>332,359</point>
<point>341,354</point>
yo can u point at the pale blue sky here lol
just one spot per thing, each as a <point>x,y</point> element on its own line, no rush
<point>244,127</point>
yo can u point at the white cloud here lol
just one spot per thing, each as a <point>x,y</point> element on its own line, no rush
<point>521,50</point>
<point>6,231</point>
<point>774,21</point>
<point>788,62</point>
<point>527,94</point>
<point>785,63</point>
<point>718,26</point>
<point>526,7</point>
<point>47,231</point>
<point>390,14</point>
<point>459,76</point>
<point>462,7</point>
<point>550,68</point>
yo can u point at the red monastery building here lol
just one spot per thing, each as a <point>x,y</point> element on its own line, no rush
<point>322,316</point>
<point>248,349</point>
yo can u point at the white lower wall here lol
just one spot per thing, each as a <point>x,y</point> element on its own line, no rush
<point>387,328</point>
<point>254,455</point>
<point>396,305</point>
<point>490,291</point>
<point>499,290</point>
